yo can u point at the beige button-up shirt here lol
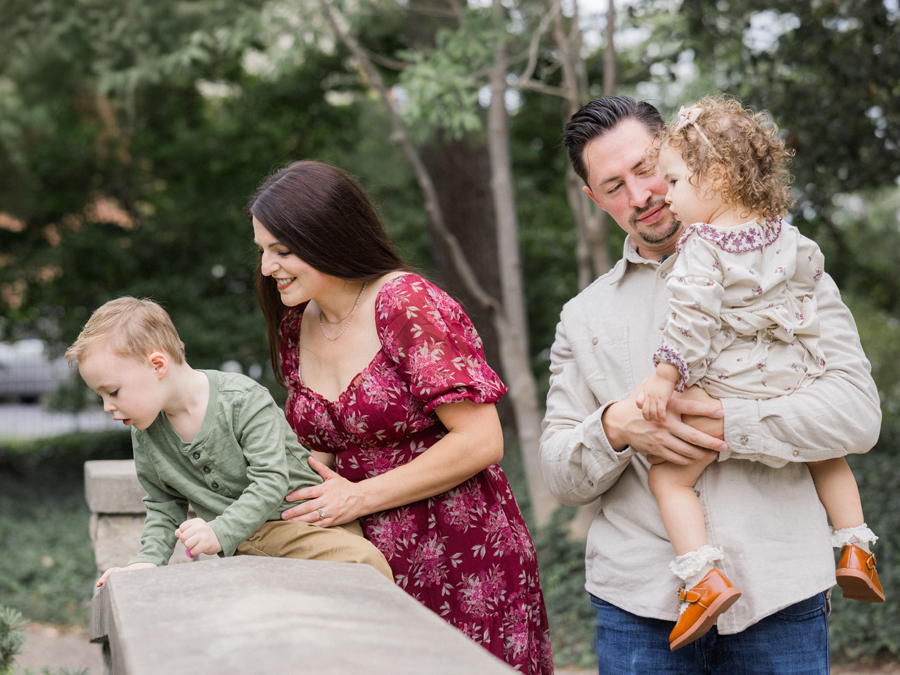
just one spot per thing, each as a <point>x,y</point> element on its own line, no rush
<point>769,521</point>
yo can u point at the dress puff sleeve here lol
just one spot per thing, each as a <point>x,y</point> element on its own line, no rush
<point>696,284</point>
<point>434,345</point>
<point>810,265</point>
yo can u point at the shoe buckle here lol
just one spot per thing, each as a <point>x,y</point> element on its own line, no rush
<point>688,596</point>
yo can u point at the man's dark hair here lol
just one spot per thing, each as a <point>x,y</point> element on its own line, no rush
<point>602,115</point>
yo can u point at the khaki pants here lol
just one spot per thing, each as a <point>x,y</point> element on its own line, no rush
<point>295,539</point>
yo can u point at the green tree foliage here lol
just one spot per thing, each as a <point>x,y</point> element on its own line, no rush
<point>827,72</point>
<point>131,153</point>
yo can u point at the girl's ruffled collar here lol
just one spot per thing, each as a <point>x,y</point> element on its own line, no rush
<point>741,239</point>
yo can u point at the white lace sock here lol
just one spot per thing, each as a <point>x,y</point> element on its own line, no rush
<point>861,535</point>
<point>692,567</point>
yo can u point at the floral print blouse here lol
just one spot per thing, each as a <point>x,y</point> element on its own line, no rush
<point>465,554</point>
<point>742,320</point>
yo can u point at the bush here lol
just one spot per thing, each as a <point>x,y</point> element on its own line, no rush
<point>48,569</point>
<point>561,562</point>
<point>866,629</point>
<point>12,637</point>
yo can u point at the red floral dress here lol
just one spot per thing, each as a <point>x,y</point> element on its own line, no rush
<point>465,554</point>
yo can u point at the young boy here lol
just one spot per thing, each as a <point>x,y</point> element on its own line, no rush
<point>215,440</point>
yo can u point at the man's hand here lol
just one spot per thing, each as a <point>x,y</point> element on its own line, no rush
<point>673,440</point>
<point>113,570</point>
<point>711,426</point>
<point>198,537</point>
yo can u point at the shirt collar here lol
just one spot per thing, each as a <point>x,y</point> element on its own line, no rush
<point>630,257</point>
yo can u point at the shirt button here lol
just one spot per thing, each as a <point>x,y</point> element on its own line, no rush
<point>796,453</point>
<point>743,440</point>
<point>664,275</point>
<point>215,485</point>
<point>196,455</point>
<point>662,326</point>
<point>206,469</point>
<point>591,483</point>
<point>595,341</point>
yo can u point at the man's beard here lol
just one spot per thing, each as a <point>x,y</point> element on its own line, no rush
<point>654,236</point>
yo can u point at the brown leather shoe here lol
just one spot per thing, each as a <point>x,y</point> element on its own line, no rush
<point>708,599</point>
<point>857,577</point>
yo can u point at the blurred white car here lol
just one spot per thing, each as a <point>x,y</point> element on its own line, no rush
<point>26,374</point>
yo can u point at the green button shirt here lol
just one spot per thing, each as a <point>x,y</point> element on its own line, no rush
<point>235,473</point>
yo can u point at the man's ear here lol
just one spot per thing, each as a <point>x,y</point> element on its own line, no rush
<point>160,363</point>
<point>593,198</point>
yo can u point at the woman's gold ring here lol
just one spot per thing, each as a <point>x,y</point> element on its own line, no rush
<point>321,513</point>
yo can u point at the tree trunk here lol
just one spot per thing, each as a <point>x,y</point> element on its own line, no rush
<point>591,251</point>
<point>463,167</point>
<point>581,523</point>
<point>514,343</point>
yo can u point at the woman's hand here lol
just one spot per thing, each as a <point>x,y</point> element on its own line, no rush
<point>473,442</point>
<point>335,502</point>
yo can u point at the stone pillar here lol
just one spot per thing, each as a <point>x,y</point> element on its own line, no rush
<point>115,496</point>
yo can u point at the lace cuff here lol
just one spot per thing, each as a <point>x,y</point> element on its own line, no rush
<point>666,354</point>
<point>853,535</point>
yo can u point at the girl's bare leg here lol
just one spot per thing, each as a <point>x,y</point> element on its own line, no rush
<point>838,492</point>
<point>673,487</point>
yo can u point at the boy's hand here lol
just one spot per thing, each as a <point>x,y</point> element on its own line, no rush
<point>198,537</point>
<point>653,397</point>
<point>133,566</point>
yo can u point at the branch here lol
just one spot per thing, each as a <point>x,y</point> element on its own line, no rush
<point>457,11</point>
<point>535,42</point>
<point>387,62</point>
<point>452,12</point>
<point>541,87</point>
<point>432,206</point>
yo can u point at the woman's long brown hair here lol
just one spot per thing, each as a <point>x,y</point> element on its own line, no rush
<point>324,218</point>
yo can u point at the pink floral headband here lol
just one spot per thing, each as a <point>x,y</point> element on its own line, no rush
<point>689,116</point>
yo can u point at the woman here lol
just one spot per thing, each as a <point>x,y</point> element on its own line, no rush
<point>388,386</point>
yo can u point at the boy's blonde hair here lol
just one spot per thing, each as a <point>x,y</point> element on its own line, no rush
<point>129,327</point>
<point>743,143</point>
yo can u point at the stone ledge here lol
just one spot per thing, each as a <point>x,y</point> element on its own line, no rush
<point>272,615</point>
<point>115,497</point>
<point>111,486</point>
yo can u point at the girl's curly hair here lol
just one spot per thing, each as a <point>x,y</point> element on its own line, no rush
<point>744,144</point>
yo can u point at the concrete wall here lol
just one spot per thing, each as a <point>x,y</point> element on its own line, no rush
<point>254,615</point>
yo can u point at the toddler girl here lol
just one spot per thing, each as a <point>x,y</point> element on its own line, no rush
<point>742,323</point>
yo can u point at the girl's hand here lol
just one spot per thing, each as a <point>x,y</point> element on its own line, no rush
<point>653,396</point>
<point>198,537</point>
<point>335,502</point>
<point>133,566</point>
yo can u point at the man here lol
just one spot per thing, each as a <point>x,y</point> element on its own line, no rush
<point>596,442</point>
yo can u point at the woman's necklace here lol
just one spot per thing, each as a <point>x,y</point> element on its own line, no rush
<point>347,318</point>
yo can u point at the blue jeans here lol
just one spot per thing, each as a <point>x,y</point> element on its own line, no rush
<point>793,641</point>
